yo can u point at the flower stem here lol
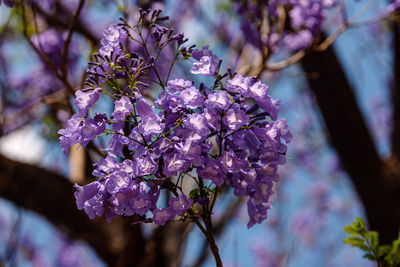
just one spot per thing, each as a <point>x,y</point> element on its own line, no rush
<point>211,240</point>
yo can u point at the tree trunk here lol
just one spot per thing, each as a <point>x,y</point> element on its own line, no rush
<point>349,135</point>
<point>119,243</point>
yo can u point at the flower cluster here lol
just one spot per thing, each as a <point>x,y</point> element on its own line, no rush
<point>223,134</point>
<point>303,20</point>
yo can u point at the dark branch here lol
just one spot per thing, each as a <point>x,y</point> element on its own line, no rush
<point>396,91</point>
<point>58,20</point>
<point>218,230</point>
<point>51,196</point>
<point>64,61</point>
<point>350,137</point>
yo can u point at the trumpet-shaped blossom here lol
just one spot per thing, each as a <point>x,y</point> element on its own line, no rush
<point>207,63</point>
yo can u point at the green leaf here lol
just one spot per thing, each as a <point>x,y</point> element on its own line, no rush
<point>373,237</point>
<point>360,222</point>
<point>357,242</point>
<point>354,241</point>
<point>383,250</point>
<point>356,228</point>
<point>359,225</point>
<point>349,229</point>
<point>369,256</point>
<point>194,194</point>
<point>393,256</point>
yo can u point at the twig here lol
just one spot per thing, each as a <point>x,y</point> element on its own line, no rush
<point>43,56</point>
<point>64,58</point>
<point>211,240</point>
<point>218,230</point>
<point>327,42</point>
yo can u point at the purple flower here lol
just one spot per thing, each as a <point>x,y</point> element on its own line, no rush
<point>169,102</point>
<point>86,193</point>
<point>307,14</point>
<point>90,198</point>
<point>174,164</point>
<point>212,171</point>
<point>299,40</point>
<point>393,6</point>
<point>180,204</point>
<point>191,98</point>
<point>83,101</point>
<point>263,192</point>
<point>150,126</point>
<point>283,130</point>
<point>231,163</point>
<point>70,135</point>
<point>213,119</point>
<point>161,216</point>
<point>158,32</point>
<point>51,43</point>
<point>141,203</point>
<point>105,166</point>
<point>117,182</point>
<point>120,203</point>
<point>122,108</point>
<point>240,84</point>
<point>235,118</point>
<point>178,85</point>
<point>145,165</point>
<point>197,123</point>
<point>218,101</point>
<point>135,135</point>
<point>238,184</point>
<point>257,212</point>
<point>269,105</point>
<point>115,147</point>
<point>207,64</point>
<point>144,109</point>
<point>191,151</point>
<point>112,37</point>
<point>80,130</point>
<point>259,90</point>
<point>90,129</point>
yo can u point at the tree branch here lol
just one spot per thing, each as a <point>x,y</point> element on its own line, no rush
<point>218,229</point>
<point>396,91</point>
<point>52,196</point>
<point>350,137</point>
<point>56,20</point>
<point>64,61</point>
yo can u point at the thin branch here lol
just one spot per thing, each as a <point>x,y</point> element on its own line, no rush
<point>328,41</point>
<point>287,62</point>
<point>55,21</point>
<point>219,229</point>
<point>64,59</point>
<point>211,240</point>
<point>43,56</point>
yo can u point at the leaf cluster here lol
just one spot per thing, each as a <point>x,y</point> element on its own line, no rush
<point>368,241</point>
